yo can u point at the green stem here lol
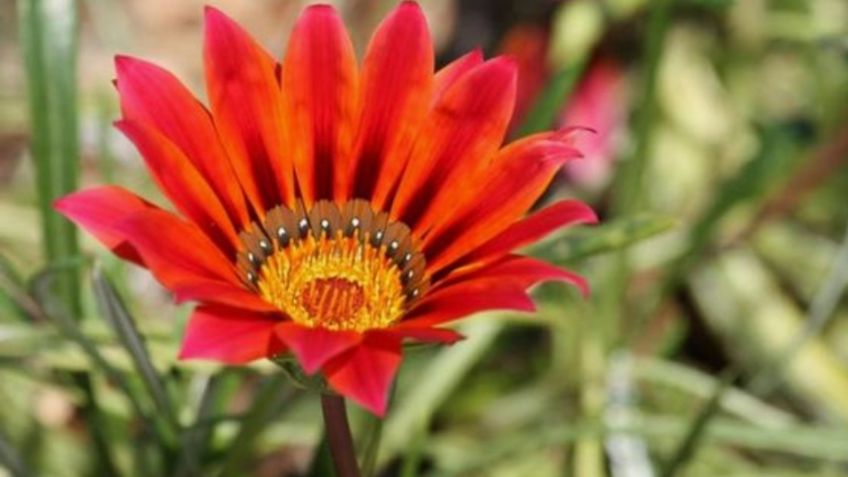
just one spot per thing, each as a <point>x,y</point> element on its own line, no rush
<point>339,436</point>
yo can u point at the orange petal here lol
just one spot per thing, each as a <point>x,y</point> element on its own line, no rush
<point>222,293</point>
<point>499,286</point>
<point>177,252</point>
<point>496,198</point>
<point>467,298</point>
<point>150,95</point>
<point>248,109</point>
<point>453,71</point>
<point>514,270</point>
<point>397,81</point>
<point>320,83</point>
<point>461,134</point>
<point>182,183</point>
<point>531,229</point>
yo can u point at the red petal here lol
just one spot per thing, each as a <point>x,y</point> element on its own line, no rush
<point>98,210</point>
<point>222,293</point>
<point>150,95</point>
<point>466,298</point>
<point>459,138</point>
<point>177,252</point>
<point>230,335</point>
<point>182,183</point>
<point>497,198</point>
<point>315,346</point>
<point>248,108</point>
<point>320,80</point>
<point>397,86</point>
<point>499,286</point>
<point>455,70</point>
<point>365,372</point>
<point>522,272</point>
<point>533,228</point>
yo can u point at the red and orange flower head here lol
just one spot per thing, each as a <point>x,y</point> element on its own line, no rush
<point>328,209</point>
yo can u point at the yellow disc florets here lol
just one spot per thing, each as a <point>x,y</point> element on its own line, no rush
<point>336,268</point>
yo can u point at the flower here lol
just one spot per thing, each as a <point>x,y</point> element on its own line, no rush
<point>329,210</point>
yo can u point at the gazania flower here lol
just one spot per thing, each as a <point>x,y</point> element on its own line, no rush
<point>327,209</point>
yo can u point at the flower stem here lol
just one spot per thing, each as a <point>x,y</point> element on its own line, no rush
<point>338,434</point>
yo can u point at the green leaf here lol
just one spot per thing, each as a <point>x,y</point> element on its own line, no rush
<point>607,237</point>
<point>370,443</point>
<point>269,398</point>
<point>196,438</point>
<point>48,31</point>
<point>697,429</point>
<point>113,308</point>
<point>49,307</point>
<point>628,187</point>
<point>322,463</point>
<point>415,409</point>
<point>550,102</point>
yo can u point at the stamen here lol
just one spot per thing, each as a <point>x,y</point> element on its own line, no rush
<point>331,275</point>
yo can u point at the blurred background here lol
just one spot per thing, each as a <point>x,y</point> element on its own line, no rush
<point>715,342</point>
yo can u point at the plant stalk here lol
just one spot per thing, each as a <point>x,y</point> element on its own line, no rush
<point>339,436</point>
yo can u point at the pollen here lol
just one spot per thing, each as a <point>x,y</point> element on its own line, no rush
<point>339,268</point>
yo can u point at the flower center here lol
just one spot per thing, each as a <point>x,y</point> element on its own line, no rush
<point>340,268</point>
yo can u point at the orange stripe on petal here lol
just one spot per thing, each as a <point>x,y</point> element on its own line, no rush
<point>248,109</point>
<point>461,135</point>
<point>320,84</point>
<point>468,298</point>
<point>99,209</point>
<point>153,96</point>
<point>496,198</point>
<point>455,70</point>
<point>532,229</point>
<point>397,82</point>
<point>182,183</point>
<point>499,286</point>
<point>176,251</point>
<point>230,335</point>
<point>519,271</point>
<point>222,293</point>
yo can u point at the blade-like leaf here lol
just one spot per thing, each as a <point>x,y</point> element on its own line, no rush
<point>113,308</point>
<point>607,237</point>
<point>697,429</point>
<point>547,107</point>
<point>413,412</point>
<point>48,31</point>
<point>269,397</point>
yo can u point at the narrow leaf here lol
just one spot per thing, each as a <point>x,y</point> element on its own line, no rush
<point>115,311</point>
<point>697,429</point>
<point>48,31</point>
<point>607,237</point>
